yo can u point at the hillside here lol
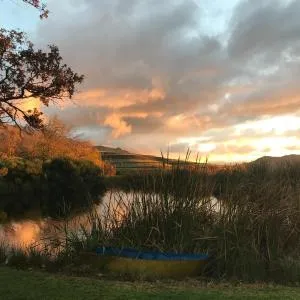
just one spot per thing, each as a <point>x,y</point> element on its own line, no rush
<point>278,161</point>
<point>126,162</point>
<point>105,149</point>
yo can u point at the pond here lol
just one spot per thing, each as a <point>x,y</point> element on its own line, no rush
<point>31,231</point>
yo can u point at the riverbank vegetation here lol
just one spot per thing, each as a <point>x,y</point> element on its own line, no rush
<point>48,170</point>
<point>246,218</point>
<point>250,230</point>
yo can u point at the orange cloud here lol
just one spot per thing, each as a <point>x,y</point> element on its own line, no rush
<point>115,100</point>
<point>183,123</point>
<point>120,127</point>
<point>119,98</point>
<point>278,103</point>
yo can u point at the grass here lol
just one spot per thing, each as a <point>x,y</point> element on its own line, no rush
<point>25,285</point>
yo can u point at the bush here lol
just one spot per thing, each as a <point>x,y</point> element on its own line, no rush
<point>71,185</point>
<point>56,187</point>
<point>20,186</point>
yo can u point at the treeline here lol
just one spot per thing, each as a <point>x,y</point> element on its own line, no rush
<point>56,187</point>
<point>54,140</point>
<point>48,170</point>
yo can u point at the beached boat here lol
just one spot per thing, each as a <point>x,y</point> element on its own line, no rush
<point>147,263</point>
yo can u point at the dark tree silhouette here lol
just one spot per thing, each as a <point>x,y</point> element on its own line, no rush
<point>28,73</point>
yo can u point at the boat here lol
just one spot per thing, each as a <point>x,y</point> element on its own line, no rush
<point>145,264</point>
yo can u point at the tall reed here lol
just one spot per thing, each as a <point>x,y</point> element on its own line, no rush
<point>251,231</point>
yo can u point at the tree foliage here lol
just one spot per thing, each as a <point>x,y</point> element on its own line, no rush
<point>71,185</point>
<point>20,185</point>
<point>41,7</point>
<point>48,170</point>
<point>56,187</point>
<point>26,73</point>
<point>54,140</point>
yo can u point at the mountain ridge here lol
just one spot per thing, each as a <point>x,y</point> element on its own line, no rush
<point>289,157</point>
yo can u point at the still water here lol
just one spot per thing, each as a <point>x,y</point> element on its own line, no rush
<point>28,231</point>
<point>31,231</point>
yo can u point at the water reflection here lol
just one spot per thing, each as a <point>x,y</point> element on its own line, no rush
<point>22,232</point>
<point>32,232</point>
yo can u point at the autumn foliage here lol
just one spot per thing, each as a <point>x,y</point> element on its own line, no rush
<point>28,73</point>
<point>48,170</point>
<point>53,141</point>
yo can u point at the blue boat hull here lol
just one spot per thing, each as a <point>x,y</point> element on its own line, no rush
<point>146,264</point>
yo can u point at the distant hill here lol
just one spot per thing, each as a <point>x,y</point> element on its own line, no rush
<point>277,161</point>
<point>126,162</point>
<point>105,149</point>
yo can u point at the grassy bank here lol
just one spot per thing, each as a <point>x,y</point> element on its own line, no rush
<point>21,285</point>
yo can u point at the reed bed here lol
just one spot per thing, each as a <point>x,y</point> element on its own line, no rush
<point>246,218</point>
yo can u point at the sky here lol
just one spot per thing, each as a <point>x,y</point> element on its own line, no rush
<point>218,77</point>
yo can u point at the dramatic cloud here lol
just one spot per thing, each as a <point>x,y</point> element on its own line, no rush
<point>157,76</point>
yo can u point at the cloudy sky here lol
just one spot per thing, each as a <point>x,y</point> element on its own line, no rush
<point>221,77</point>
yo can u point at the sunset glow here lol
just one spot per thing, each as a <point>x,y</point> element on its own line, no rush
<point>30,104</point>
<point>220,78</point>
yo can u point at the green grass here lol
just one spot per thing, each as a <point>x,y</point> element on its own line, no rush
<point>25,285</point>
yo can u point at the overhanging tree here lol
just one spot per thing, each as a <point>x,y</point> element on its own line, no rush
<point>29,73</point>
<point>40,6</point>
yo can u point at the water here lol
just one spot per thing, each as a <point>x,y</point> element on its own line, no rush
<point>28,232</point>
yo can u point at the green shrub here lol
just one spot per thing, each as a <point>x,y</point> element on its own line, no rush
<point>71,185</point>
<point>20,187</point>
<point>57,187</point>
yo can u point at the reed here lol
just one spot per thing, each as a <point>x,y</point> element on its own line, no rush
<point>251,230</point>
